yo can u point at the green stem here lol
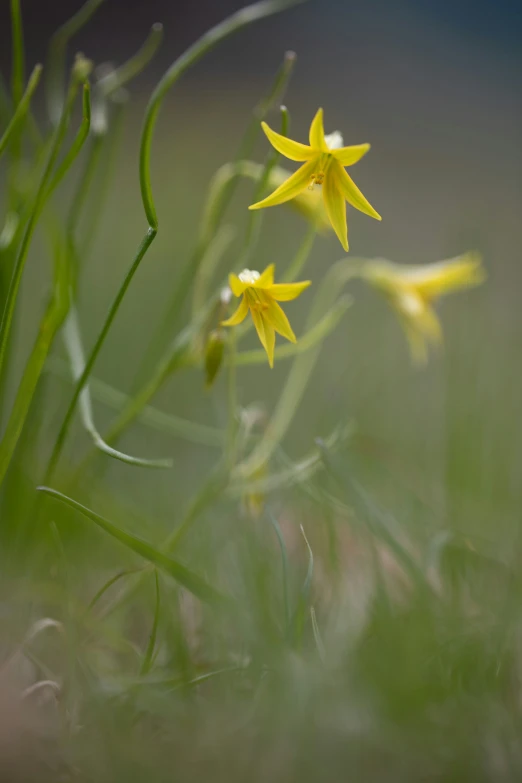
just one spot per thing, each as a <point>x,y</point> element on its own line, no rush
<point>82,380</point>
<point>18,58</point>
<point>301,257</point>
<point>52,321</point>
<point>98,200</point>
<point>135,65</point>
<point>37,208</point>
<point>77,144</point>
<point>215,210</point>
<point>21,108</point>
<point>207,42</point>
<point>56,57</point>
<point>166,423</point>
<point>232,400</point>
<point>255,217</point>
<point>300,372</point>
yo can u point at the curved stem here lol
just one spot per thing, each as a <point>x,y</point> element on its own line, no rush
<point>207,42</point>
<point>82,380</point>
<point>56,58</point>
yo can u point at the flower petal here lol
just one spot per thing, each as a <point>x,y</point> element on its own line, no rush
<point>317,141</point>
<point>236,285</point>
<point>443,277</point>
<point>267,278</point>
<point>293,150</point>
<point>292,187</point>
<point>238,316</point>
<point>285,292</point>
<point>347,156</point>
<point>351,192</point>
<point>335,205</point>
<point>266,334</point>
<point>276,317</point>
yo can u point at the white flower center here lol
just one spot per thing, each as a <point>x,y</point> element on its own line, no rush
<point>249,276</point>
<point>334,141</point>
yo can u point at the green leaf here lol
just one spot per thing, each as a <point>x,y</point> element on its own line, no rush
<point>187,578</point>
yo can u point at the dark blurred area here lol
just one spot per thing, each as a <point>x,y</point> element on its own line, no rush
<point>435,87</point>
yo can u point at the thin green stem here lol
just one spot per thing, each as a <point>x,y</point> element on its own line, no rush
<point>220,193</point>
<point>301,257</point>
<point>231,400</point>
<point>98,200</point>
<point>166,423</point>
<point>21,108</point>
<point>51,322</point>
<point>135,65</point>
<point>76,146</point>
<point>89,169</point>
<point>301,370</point>
<point>37,208</point>
<point>255,217</point>
<point>207,42</point>
<point>56,57</point>
<point>18,57</point>
<point>82,380</point>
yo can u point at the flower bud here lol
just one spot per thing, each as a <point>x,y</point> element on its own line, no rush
<point>214,351</point>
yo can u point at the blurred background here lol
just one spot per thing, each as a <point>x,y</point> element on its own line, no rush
<point>434,86</point>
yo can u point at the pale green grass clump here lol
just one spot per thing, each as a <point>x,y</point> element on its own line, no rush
<point>205,606</point>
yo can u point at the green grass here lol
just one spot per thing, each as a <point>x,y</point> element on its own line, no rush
<point>305,574</point>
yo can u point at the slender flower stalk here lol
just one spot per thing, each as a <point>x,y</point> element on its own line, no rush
<point>324,164</point>
<point>261,296</point>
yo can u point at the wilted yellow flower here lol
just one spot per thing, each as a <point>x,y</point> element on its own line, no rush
<point>324,164</point>
<point>260,296</point>
<point>411,290</point>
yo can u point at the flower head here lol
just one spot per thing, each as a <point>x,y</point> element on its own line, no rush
<point>260,296</point>
<point>412,290</point>
<point>324,162</point>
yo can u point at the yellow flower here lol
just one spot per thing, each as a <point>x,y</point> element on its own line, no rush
<point>411,290</point>
<point>260,296</point>
<point>324,162</point>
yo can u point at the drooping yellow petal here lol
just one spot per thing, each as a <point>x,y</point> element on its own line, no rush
<point>443,277</point>
<point>285,292</point>
<point>347,156</point>
<point>419,321</point>
<point>276,317</point>
<point>351,192</point>
<point>267,278</point>
<point>289,189</point>
<point>238,316</point>
<point>236,285</point>
<point>266,334</point>
<point>317,141</point>
<point>293,150</point>
<point>335,206</point>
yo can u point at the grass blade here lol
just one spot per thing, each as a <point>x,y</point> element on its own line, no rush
<point>21,108</point>
<point>149,652</point>
<point>187,578</point>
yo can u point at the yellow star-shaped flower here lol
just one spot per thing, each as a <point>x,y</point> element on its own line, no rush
<point>260,296</point>
<point>324,164</point>
<point>412,290</point>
